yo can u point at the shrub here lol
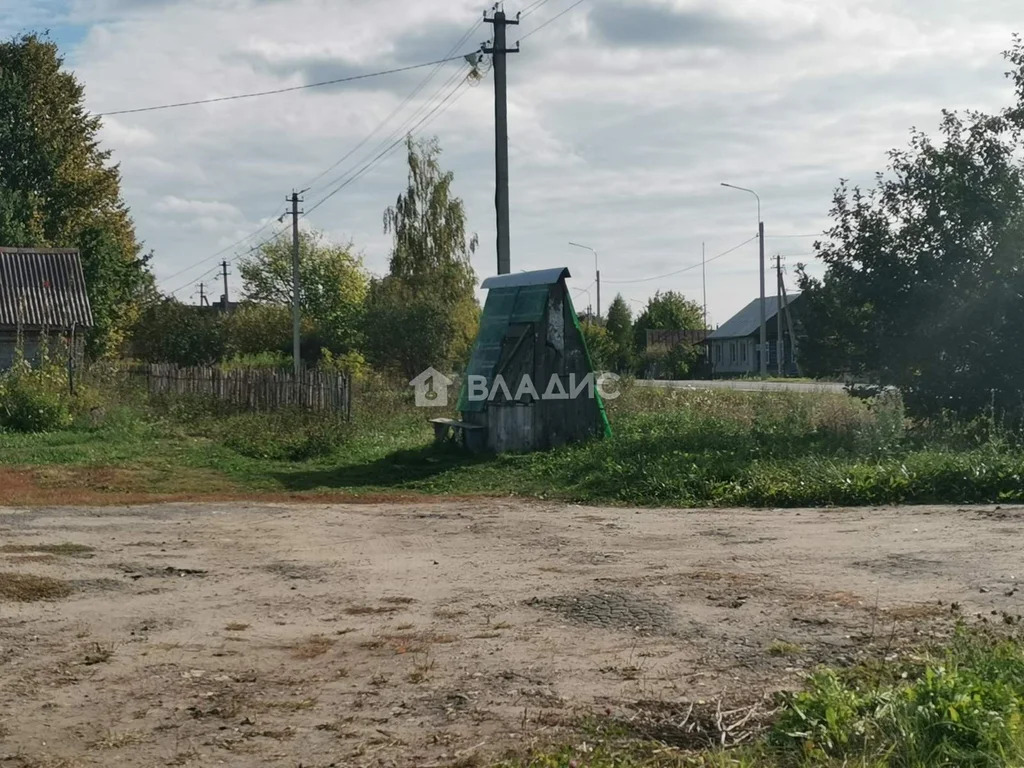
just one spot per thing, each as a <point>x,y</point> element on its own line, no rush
<point>273,361</point>
<point>34,399</point>
<point>287,435</point>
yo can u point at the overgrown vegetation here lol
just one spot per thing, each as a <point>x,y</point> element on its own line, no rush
<point>59,188</point>
<point>669,448</point>
<point>950,707</point>
<point>923,284</point>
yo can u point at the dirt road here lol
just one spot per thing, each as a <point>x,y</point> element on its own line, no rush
<point>445,633</point>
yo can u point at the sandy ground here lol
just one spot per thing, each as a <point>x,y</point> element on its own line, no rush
<point>436,634</point>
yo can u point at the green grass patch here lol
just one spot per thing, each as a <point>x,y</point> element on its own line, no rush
<point>953,707</point>
<point>670,448</point>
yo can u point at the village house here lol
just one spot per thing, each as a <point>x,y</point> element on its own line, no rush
<point>733,345</point>
<point>43,302</point>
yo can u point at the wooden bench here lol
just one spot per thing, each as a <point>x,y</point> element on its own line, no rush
<point>472,435</point>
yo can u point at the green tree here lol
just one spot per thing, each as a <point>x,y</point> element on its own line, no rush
<point>409,331</point>
<point>600,345</point>
<point>333,291</point>
<point>168,331</point>
<point>925,272</point>
<point>256,329</point>
<point>424,311</point>
<point>59,189</point>
<point>668,311</point>
<point>431,250</point>
<point>620,331</point>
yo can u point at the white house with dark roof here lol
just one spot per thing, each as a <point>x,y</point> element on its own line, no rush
<point>42,297</point>
<point>733,346</point>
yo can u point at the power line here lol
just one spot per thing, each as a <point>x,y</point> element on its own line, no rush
<point>233,259</point>
<point>531,8</point>
<point>380,156</point>
<point>351,176</point>
<point>281,90</point>
<point>402,129</point>
<point>347,179</point>
<point>423,84</point>
<point>554,18</point>
<point>684,269</point>
<point>269,220</point>
<point>218,253</point>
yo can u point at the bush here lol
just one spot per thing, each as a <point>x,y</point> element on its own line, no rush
<point>287,435</point>
<point>34,399</point>
<point>273,361</point>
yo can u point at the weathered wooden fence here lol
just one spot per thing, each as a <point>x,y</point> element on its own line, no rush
<point>254,388</point>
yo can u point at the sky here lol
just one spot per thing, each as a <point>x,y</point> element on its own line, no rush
<point>624,118</point>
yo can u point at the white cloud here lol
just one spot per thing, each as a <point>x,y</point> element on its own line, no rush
<point>624,117</point>
<point>172,204</point>
<point>117,134</point>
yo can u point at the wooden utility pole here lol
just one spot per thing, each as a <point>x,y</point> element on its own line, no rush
<point>202,294</point>
<point>296,312</point>
<point>498,52</point>
<point>224,273</point>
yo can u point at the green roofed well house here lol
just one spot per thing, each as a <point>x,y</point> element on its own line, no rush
<point>42,301</point>
<point>530,383</point>
<point>733,346</point>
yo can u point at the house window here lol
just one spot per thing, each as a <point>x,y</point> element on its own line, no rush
<point>732,351</point>
<point>743,351</point>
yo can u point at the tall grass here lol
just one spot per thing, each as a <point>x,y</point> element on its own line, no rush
<point>669,448</point>
<point>779,449</point>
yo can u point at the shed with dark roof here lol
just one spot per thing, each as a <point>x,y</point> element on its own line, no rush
<point>42,299</point>
<point>530,381</point>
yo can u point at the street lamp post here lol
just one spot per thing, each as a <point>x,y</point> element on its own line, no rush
<point>597,271</point>
<point>763,356</point>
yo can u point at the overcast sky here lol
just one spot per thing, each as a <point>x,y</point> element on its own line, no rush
<point>625,115</point>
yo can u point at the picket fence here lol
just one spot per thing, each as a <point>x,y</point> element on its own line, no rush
<point>254,388</point>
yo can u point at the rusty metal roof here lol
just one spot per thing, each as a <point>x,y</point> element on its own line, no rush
<point>43,287</point>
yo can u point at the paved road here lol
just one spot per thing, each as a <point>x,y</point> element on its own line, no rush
<point>744,385</point>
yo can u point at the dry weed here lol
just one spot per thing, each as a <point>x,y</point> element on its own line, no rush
<point>27,587</point>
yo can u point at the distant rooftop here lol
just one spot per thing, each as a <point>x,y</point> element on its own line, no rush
<point>747,321</point>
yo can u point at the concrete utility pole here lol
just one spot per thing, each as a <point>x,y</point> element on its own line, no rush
<point>704,281</point>
<point>760,236</point>
<point>498,52</point>
<point>224,274</point>
<point>296,313</point>
<point>202,295</point>
<point>597,272</point>
<point>779,349</point>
